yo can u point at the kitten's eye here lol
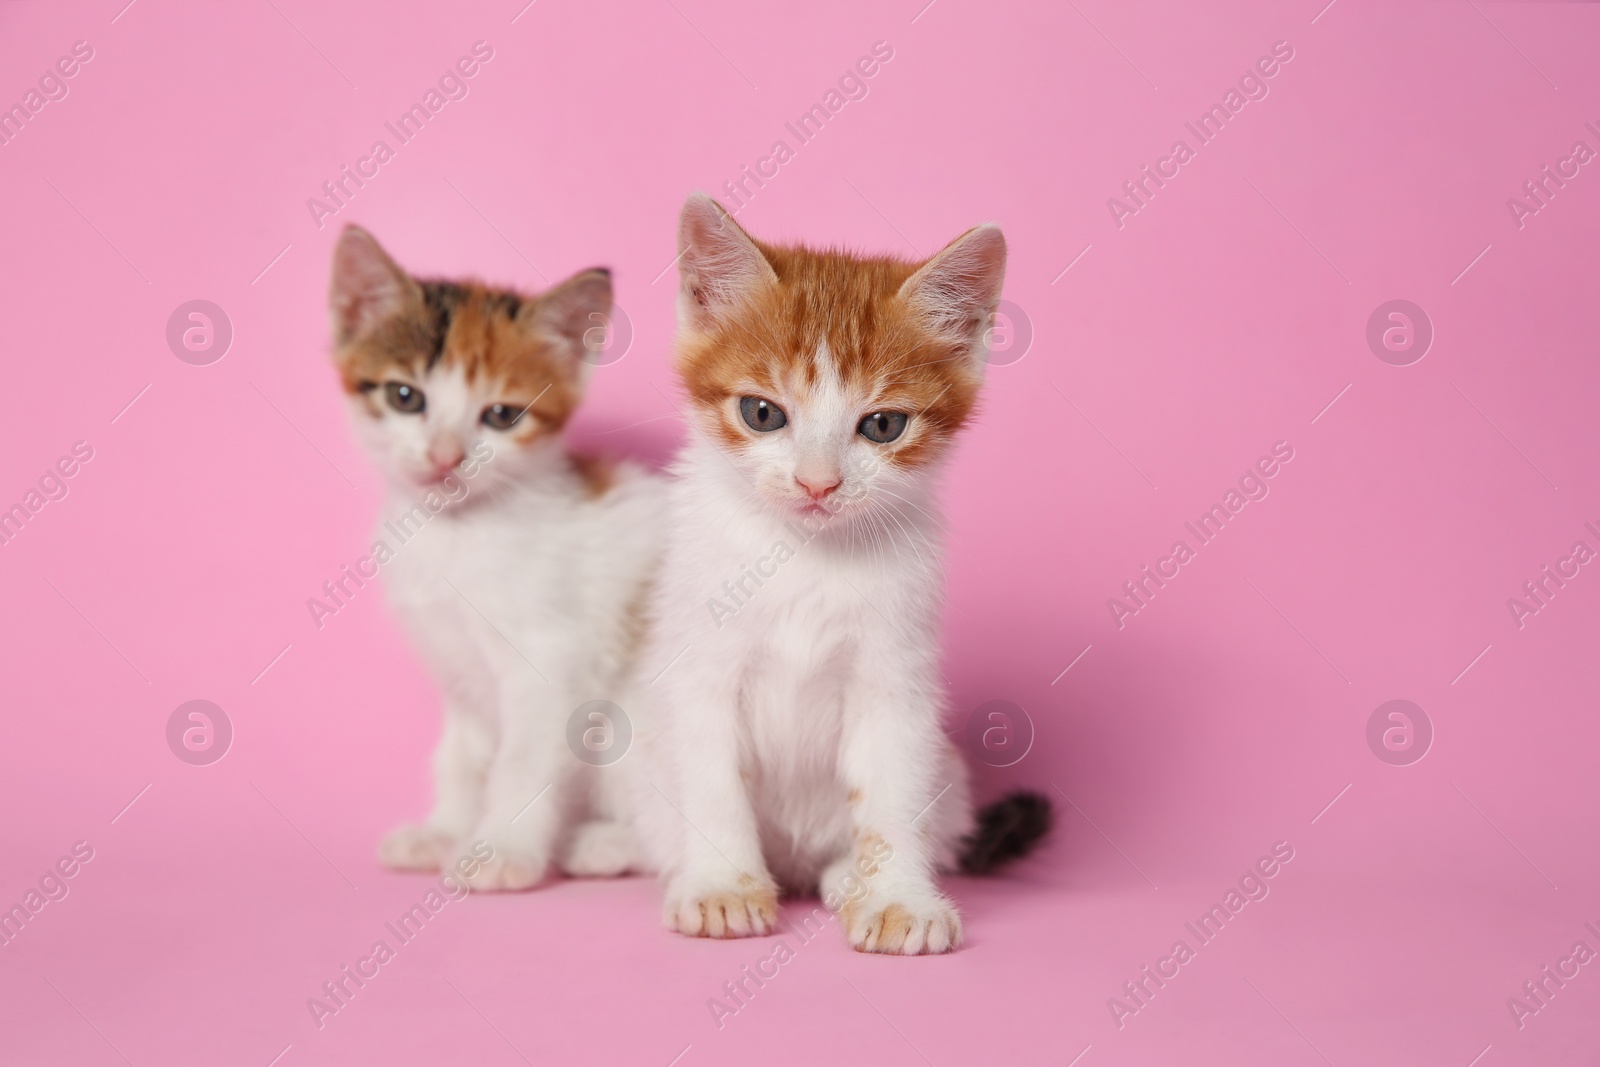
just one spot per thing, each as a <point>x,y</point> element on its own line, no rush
<point>404,398</point>
<point>762,416</point>
<point>502,416</point>
<point>881,427</point>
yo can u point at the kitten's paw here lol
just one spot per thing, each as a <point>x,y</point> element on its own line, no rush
<point>749,909</point>
<point>506,870</point>
<point>416,848</point>
<point>928,927</point>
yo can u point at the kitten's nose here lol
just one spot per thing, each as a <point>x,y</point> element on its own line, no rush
<point>818,487</point>
<point>445,452</point>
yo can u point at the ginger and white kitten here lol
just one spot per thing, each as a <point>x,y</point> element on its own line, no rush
<point>795,722</point>
<point>520,571</point>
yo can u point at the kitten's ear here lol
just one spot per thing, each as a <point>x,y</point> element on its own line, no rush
<point>367,287</point>
<point>719,266</point>
<point>576,313</point>
<point>957,290</point>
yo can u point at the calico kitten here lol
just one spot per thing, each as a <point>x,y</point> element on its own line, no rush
<point>519,570</point>
<point>796,715</point>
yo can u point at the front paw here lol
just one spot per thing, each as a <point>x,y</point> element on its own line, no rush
<point>416,848</point>
<point>929,926</point>
<point>747,908</point>
<point>506,868</point>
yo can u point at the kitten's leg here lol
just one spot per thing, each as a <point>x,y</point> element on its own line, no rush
<point>896,763</point>
<point>601,849</point>
<point>605,844</point>
<point>460,763</point>
<point>722,887</point>
<point>525,792</point>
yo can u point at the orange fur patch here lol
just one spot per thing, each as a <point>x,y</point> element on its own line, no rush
<point>895,926</point>
<point>867,843</point>
<point>599,474</point>
<point>878,343</point>
<point>636,619</point>
<point>490,334</point>
<point>759,903</point>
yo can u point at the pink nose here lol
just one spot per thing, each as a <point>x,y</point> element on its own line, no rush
<point>444,455</point>
<point>817,489</point>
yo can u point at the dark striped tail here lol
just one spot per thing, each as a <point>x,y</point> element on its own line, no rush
<point>1008,829</point>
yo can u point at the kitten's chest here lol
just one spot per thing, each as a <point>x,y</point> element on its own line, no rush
<point>455,581</point>
<point>428,562</point>
<point>803,651</point>
<point>803,620</point>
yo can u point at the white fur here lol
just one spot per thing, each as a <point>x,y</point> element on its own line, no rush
<point>517,594</point>
<point>823,680</point>
<point>793,734</point>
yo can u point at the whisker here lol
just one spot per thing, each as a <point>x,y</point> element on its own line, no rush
<point>909,540</point>
<point>888,536</point>
<point>933,518</point>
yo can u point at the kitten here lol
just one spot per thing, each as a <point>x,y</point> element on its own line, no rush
<point>521,572</point>
<point>795,727</point>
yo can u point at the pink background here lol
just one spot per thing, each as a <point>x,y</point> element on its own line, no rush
<point>1223,317</point>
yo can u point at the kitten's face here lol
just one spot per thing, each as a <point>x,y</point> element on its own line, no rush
<point>833,383</point>
<point>446,378</point>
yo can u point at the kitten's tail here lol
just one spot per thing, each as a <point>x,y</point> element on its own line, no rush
<point>1007,830</point>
